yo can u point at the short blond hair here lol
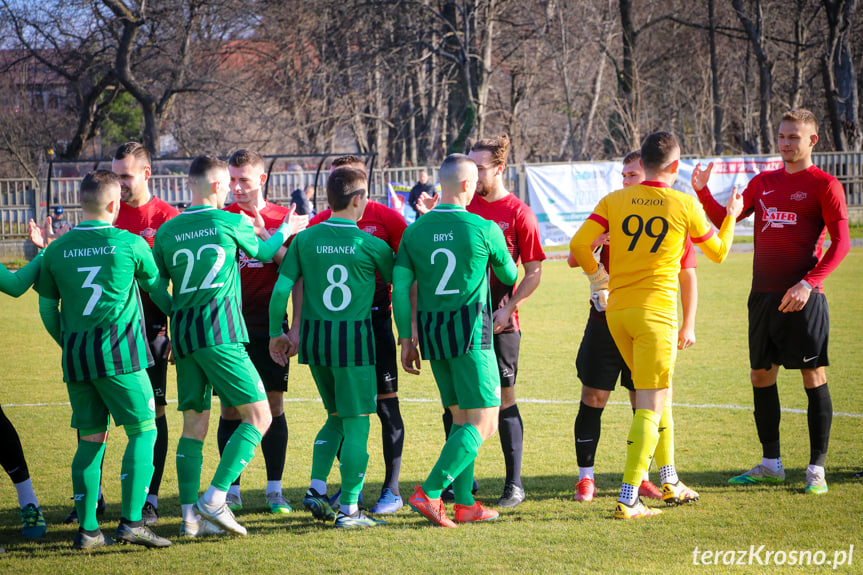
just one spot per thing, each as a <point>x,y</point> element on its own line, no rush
<point>801,116</point>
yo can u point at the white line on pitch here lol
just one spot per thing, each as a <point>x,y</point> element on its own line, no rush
<point>521,400</point>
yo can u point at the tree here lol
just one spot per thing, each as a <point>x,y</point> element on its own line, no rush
<point>840,77</point>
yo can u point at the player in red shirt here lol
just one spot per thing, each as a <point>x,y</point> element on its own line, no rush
<point>493,202</point>
<point>257,279</point>
<point>788,315</point>
<point>142,213</point>
<point>389,225</point>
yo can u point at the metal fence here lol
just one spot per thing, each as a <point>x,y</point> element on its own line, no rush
<point>21,200</point>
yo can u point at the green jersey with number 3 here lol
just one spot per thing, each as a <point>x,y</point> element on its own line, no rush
<point>337,262</point>
<point>92,270</point>
<point>197,250</point>
<point>449,251</point>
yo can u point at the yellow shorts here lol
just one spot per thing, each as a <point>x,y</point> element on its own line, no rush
<point>647,340</point>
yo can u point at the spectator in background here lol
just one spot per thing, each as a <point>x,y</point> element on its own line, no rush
<point>58,221</point>
<point>422,186</point>
<point>300,200</point>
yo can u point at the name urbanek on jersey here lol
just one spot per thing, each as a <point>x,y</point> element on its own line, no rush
<point>349,250</point>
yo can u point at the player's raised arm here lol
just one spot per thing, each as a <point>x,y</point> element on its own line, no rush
<point>716,246</point>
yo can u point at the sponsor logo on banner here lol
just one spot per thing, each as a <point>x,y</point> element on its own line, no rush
<point>563,195</point>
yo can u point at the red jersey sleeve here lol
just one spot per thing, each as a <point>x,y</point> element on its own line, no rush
<point>320,217</point>
<point>687,260</point>
<point>527,230</point>
<point>395,224</point>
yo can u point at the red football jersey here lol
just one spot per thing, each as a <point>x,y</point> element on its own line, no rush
<point>384,223</point>
<point>257,279</point>
<point>144,221</point>
<point>791,215</point>
<point>521,230</point>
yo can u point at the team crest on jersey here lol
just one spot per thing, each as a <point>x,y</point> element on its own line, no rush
<point>503,225</point>
<point>798,196</point>
<point>774,218</point>
<point>148,233</point>
<point>370,229</point>
<point>246,261</point>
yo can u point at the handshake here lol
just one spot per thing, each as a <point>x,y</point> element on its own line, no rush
<point>599,287</point>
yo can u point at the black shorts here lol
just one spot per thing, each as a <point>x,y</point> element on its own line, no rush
<point>599,362</point>
<point>157,339</point>
<point>795,340</point>
<point>506,346</point>
<point>386,366</point>
<point>273,375</point>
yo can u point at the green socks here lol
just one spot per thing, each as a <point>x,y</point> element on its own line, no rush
<point>237,454</point>
<point>86,476</point>
<point>327,444</point>
<point>190,458</point>
<point>137,471</point>
<point>462,486</point>
<point>355,458</point>
<point>458,453</point>
<point>642,440</point>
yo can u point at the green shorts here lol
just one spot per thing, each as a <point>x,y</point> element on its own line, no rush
<point>348,391</point>
<point>128,398</point>
<point>225,368</point>
<point>470,381</point>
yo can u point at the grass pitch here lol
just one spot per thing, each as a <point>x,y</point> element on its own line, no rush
<point>549,532</point>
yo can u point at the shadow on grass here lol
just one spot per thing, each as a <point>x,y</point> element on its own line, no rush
<point>255,516</point>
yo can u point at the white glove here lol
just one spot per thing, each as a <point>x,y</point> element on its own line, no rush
<point>598,279</point>
<point>600,299</point>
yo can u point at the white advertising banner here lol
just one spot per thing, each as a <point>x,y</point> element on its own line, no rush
<point>563,195</point>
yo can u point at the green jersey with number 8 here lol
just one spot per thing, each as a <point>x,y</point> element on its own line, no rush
<point>337,262</point>
<point>197,250</point>
<point>93,270</point>
<point>449,251</point>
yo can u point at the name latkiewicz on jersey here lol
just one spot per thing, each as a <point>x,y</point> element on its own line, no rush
<point>773,218</point>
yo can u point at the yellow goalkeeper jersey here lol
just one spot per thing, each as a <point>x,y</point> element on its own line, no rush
<point>648,224</point>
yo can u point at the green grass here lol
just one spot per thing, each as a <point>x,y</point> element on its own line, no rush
<point>549,532</point>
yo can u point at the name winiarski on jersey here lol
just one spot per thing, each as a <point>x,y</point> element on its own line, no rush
<point>348,250</point>
<point>195,234</point>
<point>89,252</point>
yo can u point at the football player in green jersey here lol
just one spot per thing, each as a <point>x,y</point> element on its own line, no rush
<point>447,252</point>
<point>337,262</point>
<point>197,250</point>
<point>95,270</point>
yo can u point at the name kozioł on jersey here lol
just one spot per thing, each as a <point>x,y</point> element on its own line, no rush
<point>89,252</point>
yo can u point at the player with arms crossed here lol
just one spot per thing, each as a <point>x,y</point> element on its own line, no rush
<point>197,250</point>
<point>788,315</point>
<point>447,253</point>
<point>389,225</point>
<point>257,279</point>
<point>95,270</point>
<point>142,213</point>
<point>648,223</point>
<point>337,262</point>
<point>599,364</point>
